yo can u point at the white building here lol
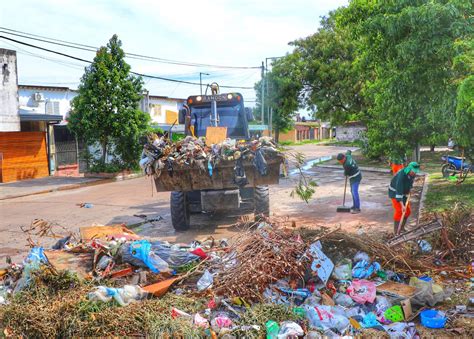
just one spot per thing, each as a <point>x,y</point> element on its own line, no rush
<point>49,100</point>
<point>164,110</point>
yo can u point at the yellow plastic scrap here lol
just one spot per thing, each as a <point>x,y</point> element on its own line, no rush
<point>240,302</point>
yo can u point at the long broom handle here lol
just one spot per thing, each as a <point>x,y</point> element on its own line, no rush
<point>403,214</point>
<point>344,199</point>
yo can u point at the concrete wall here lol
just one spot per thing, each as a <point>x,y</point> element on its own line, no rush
<point>164,110</point>
<point>9,118</point>
<point>349,133</point>
<point>54,101</point>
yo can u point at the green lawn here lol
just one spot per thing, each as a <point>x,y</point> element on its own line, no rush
<point>442,193</point>
<point>304,142</point>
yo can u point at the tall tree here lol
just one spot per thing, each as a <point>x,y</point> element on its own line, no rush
<point>106,110</point>
<point>409,47</point>
<point>332,85</point>
<point>284,87</point>
<point>464,120</point>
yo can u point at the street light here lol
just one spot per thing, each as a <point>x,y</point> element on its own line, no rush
<point>200,79</point>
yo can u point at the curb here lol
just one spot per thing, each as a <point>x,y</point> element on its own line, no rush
<point>367,169</point>
<point>74,186</point>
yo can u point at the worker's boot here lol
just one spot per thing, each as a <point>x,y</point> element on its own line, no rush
<point>395,227</point>
<point>402,228</point>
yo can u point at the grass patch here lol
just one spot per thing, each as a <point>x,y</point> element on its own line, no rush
<point>303,142</point>
<point>333,142</point>
<point>443,194</point>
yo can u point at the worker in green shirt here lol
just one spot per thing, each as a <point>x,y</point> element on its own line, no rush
<point>398,192</point>
<point>351,170</point>
<point>397,163</point>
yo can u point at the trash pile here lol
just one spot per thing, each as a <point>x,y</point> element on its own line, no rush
<point>269,280</point>
<point>160,153</point>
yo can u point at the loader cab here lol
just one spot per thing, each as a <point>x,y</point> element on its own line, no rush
<point>231,113</point>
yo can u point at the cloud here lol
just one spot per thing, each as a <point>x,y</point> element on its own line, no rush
<point>240,33</point>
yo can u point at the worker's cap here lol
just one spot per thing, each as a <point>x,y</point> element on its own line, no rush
<point>413,166</point>
<point>340,156</point>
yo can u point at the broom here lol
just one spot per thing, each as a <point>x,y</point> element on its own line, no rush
<point>344,208</point>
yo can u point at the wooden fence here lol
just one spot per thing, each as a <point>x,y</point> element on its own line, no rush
<point>23,155</point>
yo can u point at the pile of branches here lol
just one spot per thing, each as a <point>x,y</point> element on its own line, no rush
<point>457,236</point>
<point>258,258</point>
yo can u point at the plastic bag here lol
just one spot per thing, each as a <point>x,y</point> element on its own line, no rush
<point>362,291</point>
<point>173,256</point>
<point>297,296</point>
<point>290,329</point>
<point>369,321</point>
<point>31,263</point>
<point>272,329</point>
<point>364,269</point>
<point>123,296</point>
<point>141,250</point>
<point>343,300</point>
<point>427,292</point>
<point>323,317</point>
<point>361,256</point>
<point>200,321</point>
<point>343,270</point>
<point>382,304</point>
<point>205,281</point>
<point>221,321</point>
<point>260,163</point>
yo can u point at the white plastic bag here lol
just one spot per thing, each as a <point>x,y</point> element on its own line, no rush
<point>205,281</point>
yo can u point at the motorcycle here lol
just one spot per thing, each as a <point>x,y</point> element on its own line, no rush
<point>453,166</point>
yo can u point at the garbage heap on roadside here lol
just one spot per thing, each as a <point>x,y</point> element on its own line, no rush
<point>269,280</point>
<point>162,154</point>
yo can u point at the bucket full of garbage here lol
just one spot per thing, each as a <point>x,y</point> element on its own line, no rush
<point>191,164</point>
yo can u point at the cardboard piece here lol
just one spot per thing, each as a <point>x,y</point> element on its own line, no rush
<point>406,307</point>
<point>160,288</point>
<point>80,263</point>
<point>105,232</point>
<point>396,289</point>
<point>215,135</point>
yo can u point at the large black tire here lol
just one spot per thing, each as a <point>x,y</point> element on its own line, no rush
<point>448,170</point>
<point>261,197</point>
<point>180,213</point>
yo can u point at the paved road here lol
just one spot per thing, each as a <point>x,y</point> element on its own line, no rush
<point>118,202</point>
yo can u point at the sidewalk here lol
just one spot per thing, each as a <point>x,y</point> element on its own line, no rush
<point>44,185</point>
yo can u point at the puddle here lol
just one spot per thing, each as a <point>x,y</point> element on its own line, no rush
<point>309,164</point>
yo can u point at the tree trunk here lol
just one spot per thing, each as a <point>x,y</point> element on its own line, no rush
<point>277,134</point>
<point>432,148</point>
<point>104,151</point>
<point>416,153</point>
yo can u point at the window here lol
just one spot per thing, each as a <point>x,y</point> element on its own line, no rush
<point>52,107</point>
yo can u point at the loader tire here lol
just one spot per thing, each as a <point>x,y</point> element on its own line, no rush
<point>180,213</point>
<point>262,201</point>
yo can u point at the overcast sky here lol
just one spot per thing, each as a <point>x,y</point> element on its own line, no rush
<point>230,33</point>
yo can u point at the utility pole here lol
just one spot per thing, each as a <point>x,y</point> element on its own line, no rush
<point>200,79</point>
<point>270,109</point>
<point>263,92</point>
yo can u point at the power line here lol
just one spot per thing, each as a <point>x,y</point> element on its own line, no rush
<point>130,55</point>
<point>136,73</point>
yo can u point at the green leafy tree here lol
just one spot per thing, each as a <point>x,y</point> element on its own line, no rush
<point>282,97</point>
<point>409,47</point>
<point>106,110</point>
<point>464,120</point>
<point>332,85</point>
